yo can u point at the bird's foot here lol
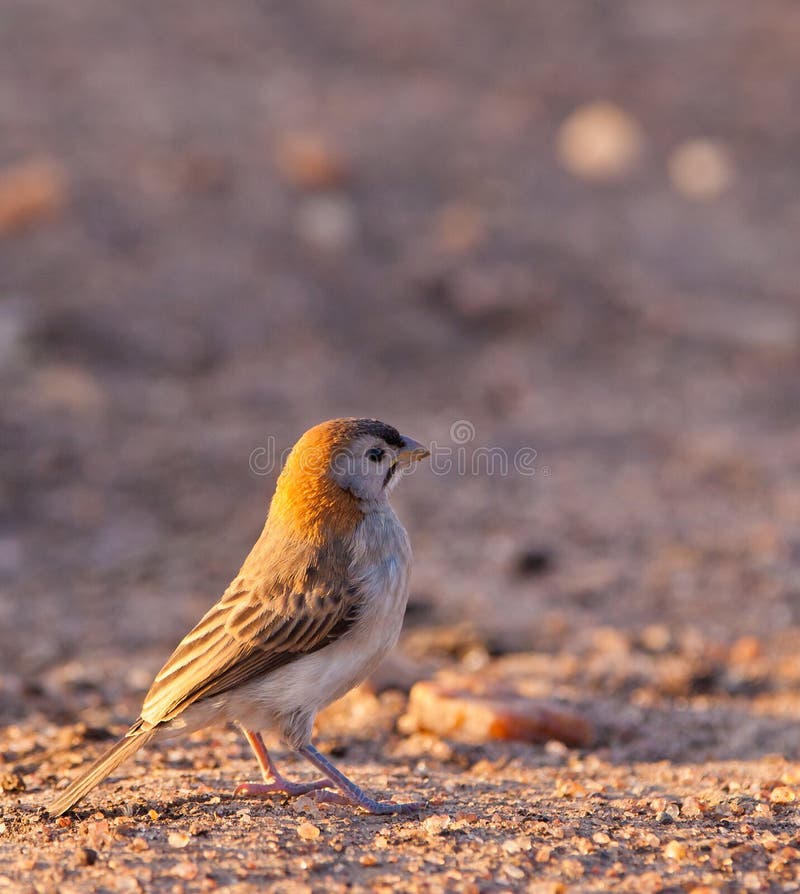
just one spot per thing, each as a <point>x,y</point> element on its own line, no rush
<point>364,802</point>
<point>349,793</point>
<point>279,786</point>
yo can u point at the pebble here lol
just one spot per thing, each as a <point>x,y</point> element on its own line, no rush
<point>745,650</point>
<point>782,794</point>
<point>700,169</point>
<point>310,161</point>
<point>178,839</point>
<point>87,856</point>
<point>186,870</point>
<point>691,807</point>
<point>462,713</point>
<point>517,845</point>
<point>326,222</point>
<point>599,141</point>
<point>11,782</point>
<point>31,192</point>
<point>533,562</point>
<point>436,824</point>
<point>675,850</point>
<point>513,871</point>
<point>308,831</point>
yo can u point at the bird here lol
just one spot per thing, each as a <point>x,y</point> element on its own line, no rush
<point>317,603</point>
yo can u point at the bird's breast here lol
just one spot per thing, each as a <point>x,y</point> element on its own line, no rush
<point>380,569</point>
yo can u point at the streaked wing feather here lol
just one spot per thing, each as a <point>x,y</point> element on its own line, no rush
<point>243,637</point>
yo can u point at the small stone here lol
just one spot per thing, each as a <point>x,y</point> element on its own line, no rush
<point>309,161</point>
<point>608,640</point>
<point>513,871</point>
<point>308,831</point>
<point>517,845</point>
<point>599,141</point>
<point>461,712</point>
<point>675,850</point>
<point>656,638</point>
<point>782,794</point>
<point>569,788</point>
<point>87,856</point>
<point>745,650</point>
<point>661,807</point>
<point>533,561</point>
<point>791,776</point>
<point>650,839</point>
<point>178,839</point>
<point>97,832</point>
<point>11,782</point>
<point>436,824</point>
<point>186,870</point>
<point>326,222</point>
<point>700,169</point>
<point>691,808</point>
<point>305,804</point>
<point>30,192</point>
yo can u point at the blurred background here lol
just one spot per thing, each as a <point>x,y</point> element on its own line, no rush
<point>572,226</point>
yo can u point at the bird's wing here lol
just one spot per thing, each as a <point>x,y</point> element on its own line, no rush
<point>247,634</point>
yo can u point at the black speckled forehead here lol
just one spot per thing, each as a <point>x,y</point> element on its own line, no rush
<point>378,429</point>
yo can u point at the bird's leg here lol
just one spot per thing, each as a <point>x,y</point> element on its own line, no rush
<point>274,783</point>
<point>350,792</point>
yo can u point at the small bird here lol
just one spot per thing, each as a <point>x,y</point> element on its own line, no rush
<point>317,603</point>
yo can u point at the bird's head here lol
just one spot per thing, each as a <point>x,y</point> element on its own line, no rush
<point>340,470</point>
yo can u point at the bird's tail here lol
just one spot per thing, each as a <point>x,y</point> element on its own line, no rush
<point>131,742</point>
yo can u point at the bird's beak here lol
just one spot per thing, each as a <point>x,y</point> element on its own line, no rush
<point>412,451</point>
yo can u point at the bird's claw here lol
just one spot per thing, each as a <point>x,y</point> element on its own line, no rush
<point>376,808</point>
<point>277,787</point>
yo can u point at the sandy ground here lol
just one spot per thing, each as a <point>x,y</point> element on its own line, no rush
<point>222,224</point>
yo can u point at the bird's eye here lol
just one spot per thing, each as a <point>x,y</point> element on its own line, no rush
<point>375,454</point>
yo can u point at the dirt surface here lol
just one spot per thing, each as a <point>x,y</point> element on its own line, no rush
<point>563,231</point>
